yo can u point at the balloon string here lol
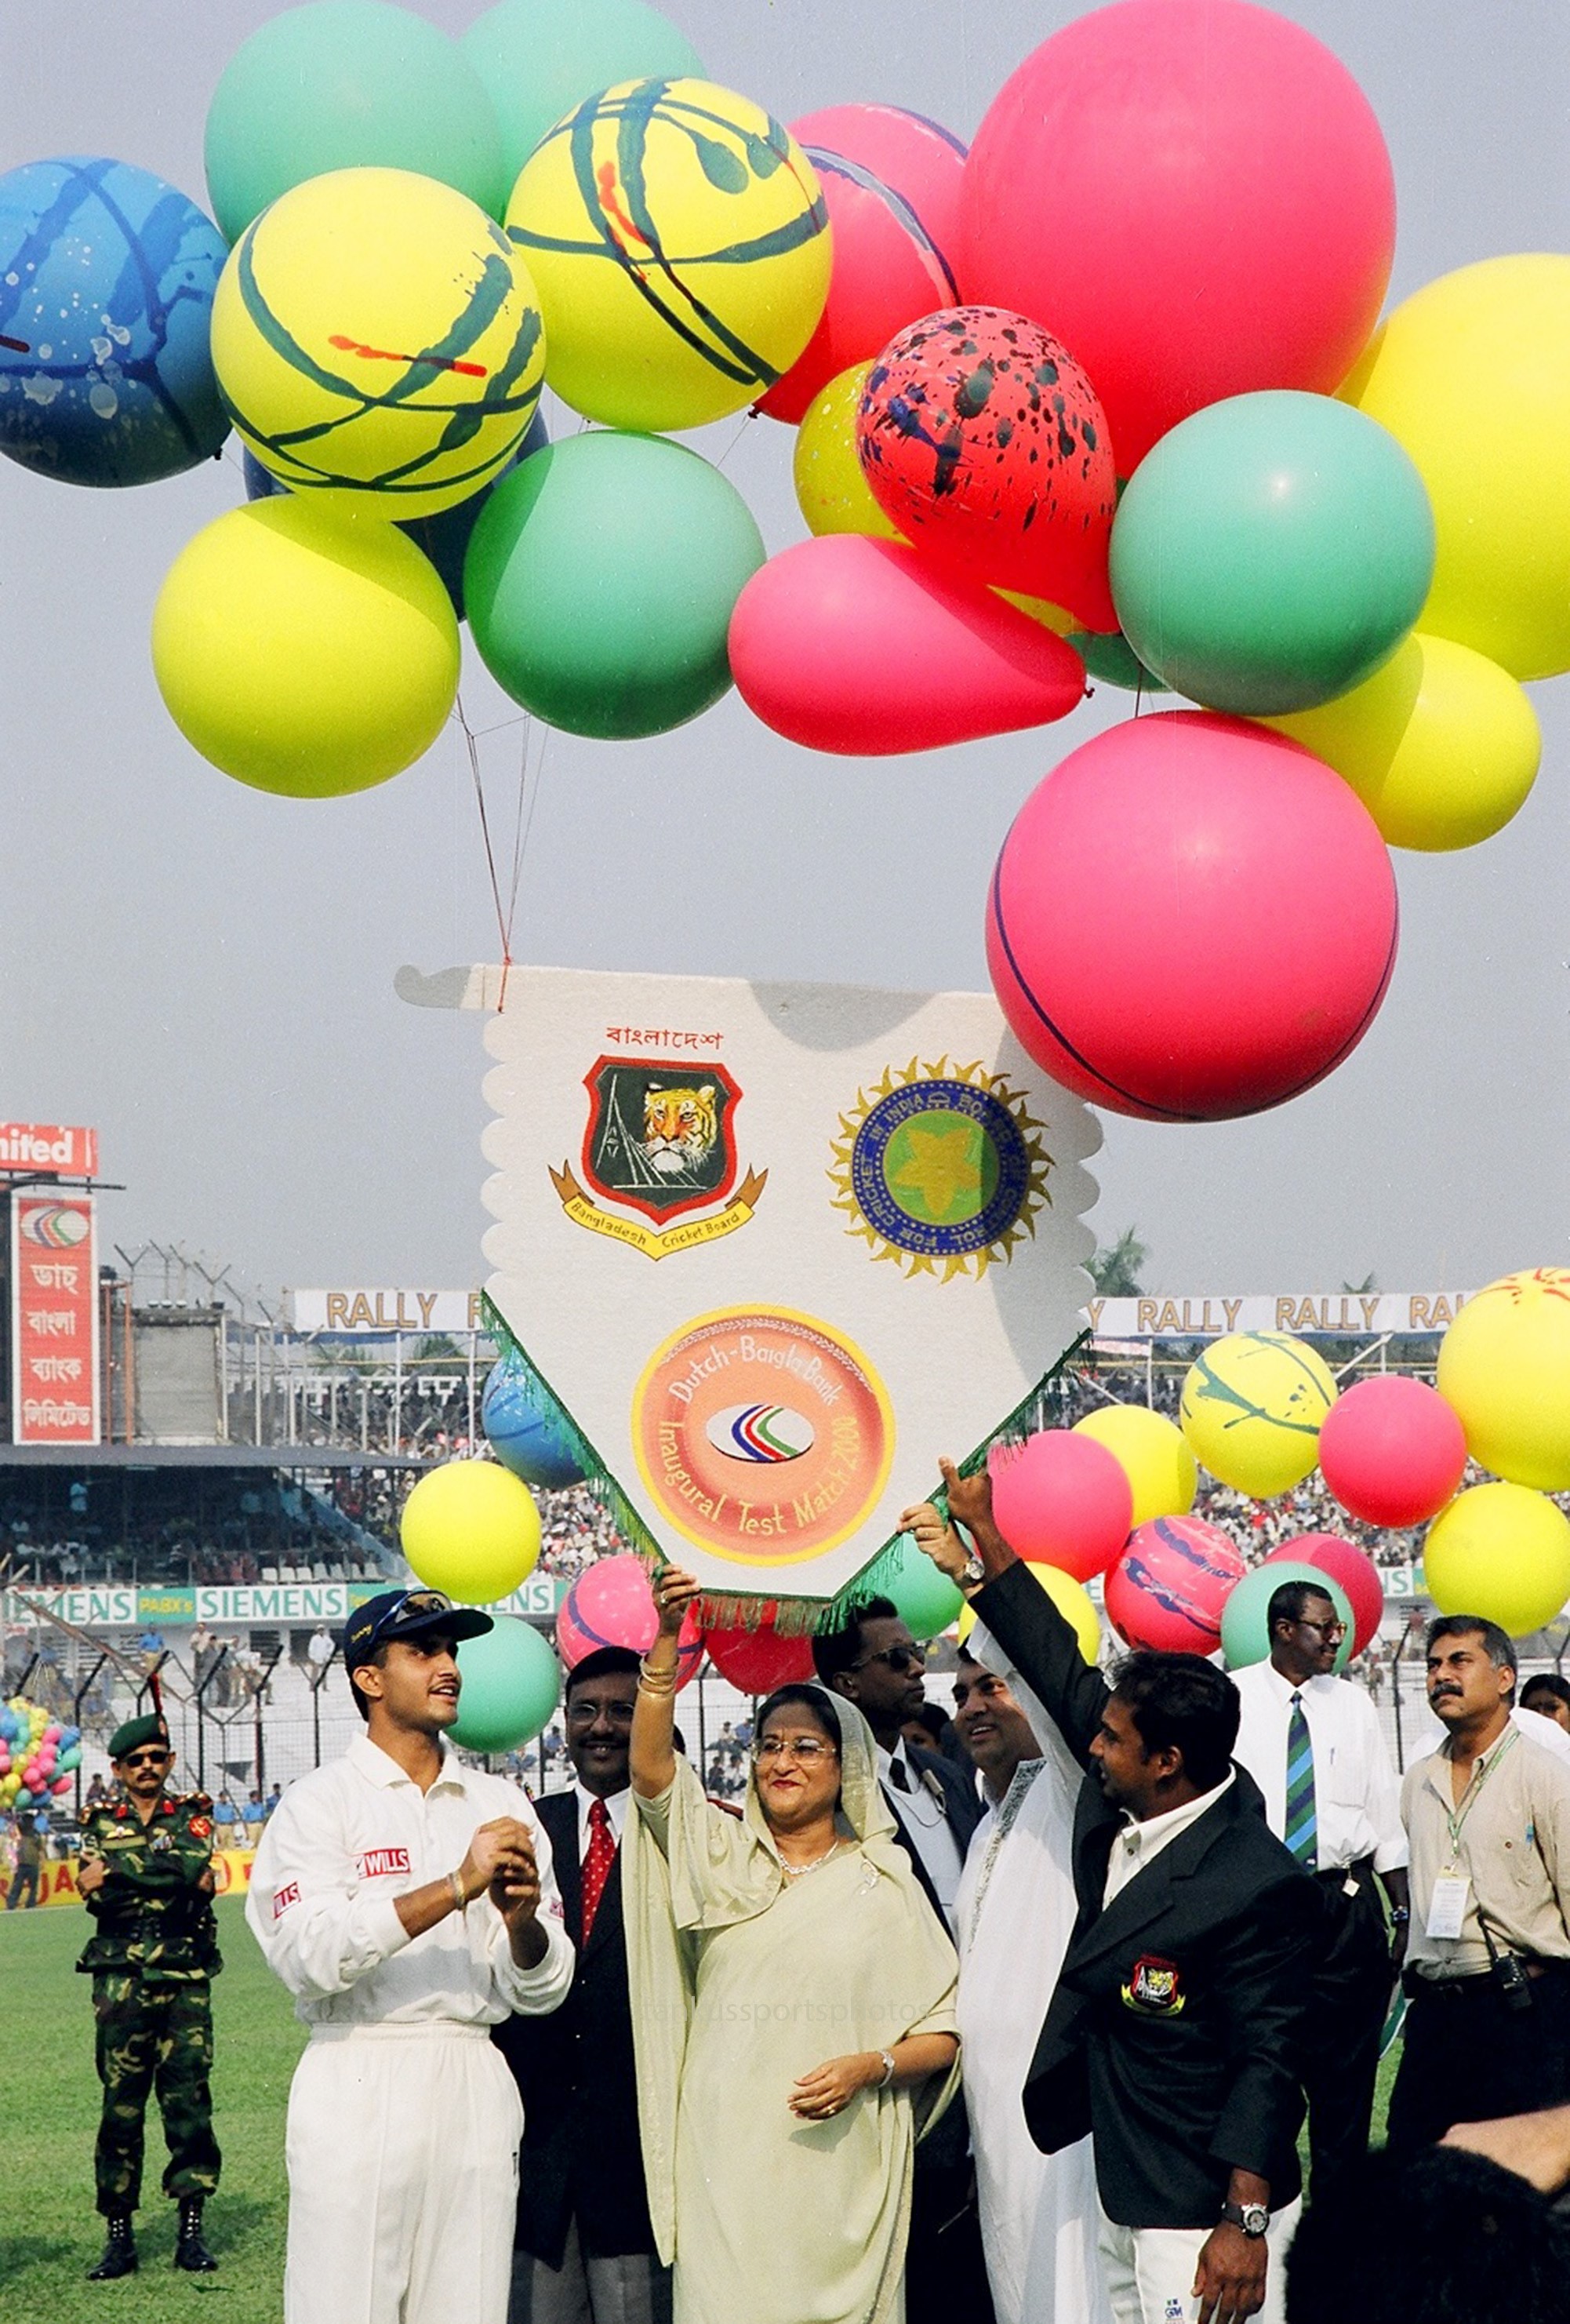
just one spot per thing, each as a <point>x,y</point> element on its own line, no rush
<point>521,829</point>
<point>746,417</point>
<point>471,745</point>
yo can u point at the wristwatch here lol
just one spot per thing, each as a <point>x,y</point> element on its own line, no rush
<point>1251,2218</point>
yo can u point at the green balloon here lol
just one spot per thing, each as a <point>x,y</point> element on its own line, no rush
<point>1245,1636</point>
<point>540,58</point>
<point>343,85</point>
<point>928,1599</point>
<point>512,1684</point>
<point>601,580</point>
<point>1115,663</point>
<point>1272,552</point>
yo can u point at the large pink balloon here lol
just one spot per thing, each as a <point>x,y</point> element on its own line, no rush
<point>891,180</point>
<point>858,646</point>
<point>610,1604</point>
<point>1169,1587</point>
<point>1391,1451</point>
<point>1196,195</point>
<point>756,1662</point>
<point>1188,921</point>
<point>1352,1567</point>
<point>1062,1500</point>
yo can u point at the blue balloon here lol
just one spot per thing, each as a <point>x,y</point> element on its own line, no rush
<point>443,537</point>
<point>106,283</point>
<point>529,1435</point>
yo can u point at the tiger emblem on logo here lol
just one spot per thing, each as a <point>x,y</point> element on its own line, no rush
<point>680,1127</point>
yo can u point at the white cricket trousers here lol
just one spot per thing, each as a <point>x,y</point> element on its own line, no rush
<point>402,2152</point>
<point>1150,2271</point>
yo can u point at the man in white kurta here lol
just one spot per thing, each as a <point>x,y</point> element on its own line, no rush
<point>1016,1913</point>
<point>408,1903</point>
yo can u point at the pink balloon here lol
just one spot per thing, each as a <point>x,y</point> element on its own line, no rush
<point>984,443</point>
<point>1191,918</point>
<point>64,1785</point>
<point>1169,1587</point>
<point>1350,1566</point>
<point>757,1661</point>
<point>1391,1451</point>
<point>1062,1500</point>
<point>610,1604</point>
<point>891,181</point>
<point>859,646</point>
<point>1196,195</point>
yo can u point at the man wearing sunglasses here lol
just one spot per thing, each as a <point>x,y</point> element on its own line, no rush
<point>146,1874</point>
<point>1312,1743</point>
<point>408,1905</point>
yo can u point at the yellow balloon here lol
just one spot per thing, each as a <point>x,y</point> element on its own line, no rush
<point>1154,1454</point>
<point>1251,1409</point>
<point>1441,745</point>
<point>1472,374</point>
<point>681,245</point>
<point>377,338</point>
<point>471,1527</point>
<point>1504,1369</point>
<point>834,494</point>
<point>303,651</point>
<point>1503,1551</point>
<point>1070,1597</point>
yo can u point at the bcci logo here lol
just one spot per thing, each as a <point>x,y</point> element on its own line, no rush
<point>941,1166</point>
<point>659,1142</point>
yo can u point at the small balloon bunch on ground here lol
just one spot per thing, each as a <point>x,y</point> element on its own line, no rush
<point>39,1756</point>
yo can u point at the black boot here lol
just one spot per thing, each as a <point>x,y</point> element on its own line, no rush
<point>191,2252</point>
<point>119,2251</point>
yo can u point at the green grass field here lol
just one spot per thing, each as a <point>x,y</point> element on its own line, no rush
<point>49,2103</point>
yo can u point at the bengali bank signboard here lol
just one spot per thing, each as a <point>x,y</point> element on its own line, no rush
<point>54,1320</point>
<point>1336,1315</point>
<point>357,1308</point>
<point>283,1605</point>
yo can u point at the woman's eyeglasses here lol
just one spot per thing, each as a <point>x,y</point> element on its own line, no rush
<point>807,1750</point>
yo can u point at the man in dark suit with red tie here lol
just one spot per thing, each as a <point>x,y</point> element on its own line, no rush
<point>584,2249</point>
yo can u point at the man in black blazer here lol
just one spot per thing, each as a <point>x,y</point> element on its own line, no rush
<point>876,1664</point>
<point>584,2248</point>
<point>1183,2008</point>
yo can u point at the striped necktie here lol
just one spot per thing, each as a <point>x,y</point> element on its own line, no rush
<point>1303,1832</point>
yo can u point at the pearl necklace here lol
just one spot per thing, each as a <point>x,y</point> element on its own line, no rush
<point>800,1871</point>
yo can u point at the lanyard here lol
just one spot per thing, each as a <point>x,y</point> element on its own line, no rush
<point>1469,1798</point>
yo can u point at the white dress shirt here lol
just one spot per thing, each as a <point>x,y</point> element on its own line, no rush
<point>343,1843</point>
<point>1139,1844</point>
<point>925,1813</point>
<point>1357,1798</point>
<point>616,1806</point>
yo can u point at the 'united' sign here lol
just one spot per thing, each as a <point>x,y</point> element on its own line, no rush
<point>46,1149</point>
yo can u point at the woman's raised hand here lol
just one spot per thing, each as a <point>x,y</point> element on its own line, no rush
<point>673,1592</point>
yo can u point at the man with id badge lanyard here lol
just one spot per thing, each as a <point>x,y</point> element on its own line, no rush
<point>1488,1961</point>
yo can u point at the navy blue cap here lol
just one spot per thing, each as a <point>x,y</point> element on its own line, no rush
<point>408,1614</point>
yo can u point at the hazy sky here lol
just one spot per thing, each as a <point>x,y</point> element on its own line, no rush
<point>206,973</point>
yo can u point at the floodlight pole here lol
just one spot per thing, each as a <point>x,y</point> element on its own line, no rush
<point>209,1676</point>
<point>77,1700</point>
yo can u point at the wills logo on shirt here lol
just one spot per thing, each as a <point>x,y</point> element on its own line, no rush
<point>1155,1987</point>
<point>376,1863</point>
<point>285,1898</point>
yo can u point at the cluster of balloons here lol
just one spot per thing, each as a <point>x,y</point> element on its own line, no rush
<point>1260,1411</point>
<point>38,1754</point>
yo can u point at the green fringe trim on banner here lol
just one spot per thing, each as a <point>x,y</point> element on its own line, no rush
<point>792,1617</point>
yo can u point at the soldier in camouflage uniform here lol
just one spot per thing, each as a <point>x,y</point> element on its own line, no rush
<point>147,1877</point>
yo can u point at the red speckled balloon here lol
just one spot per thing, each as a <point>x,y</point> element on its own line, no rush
<point>983,440</point>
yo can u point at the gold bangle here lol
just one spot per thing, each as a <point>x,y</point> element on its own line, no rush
<point>652,1687</point>
<point>656,1681</point>
<point>459,1898</point>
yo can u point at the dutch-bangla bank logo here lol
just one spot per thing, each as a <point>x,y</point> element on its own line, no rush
<point>49,1147</point>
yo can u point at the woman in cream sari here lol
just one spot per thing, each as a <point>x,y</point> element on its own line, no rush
<point>792,2003</point>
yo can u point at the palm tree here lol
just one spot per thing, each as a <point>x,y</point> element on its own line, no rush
<point>1115,1271</point>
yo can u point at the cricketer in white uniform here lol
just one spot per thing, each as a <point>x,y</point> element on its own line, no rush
<point>408,1905</point>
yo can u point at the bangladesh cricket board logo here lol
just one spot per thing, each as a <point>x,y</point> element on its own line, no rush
<point>660,1144</point>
